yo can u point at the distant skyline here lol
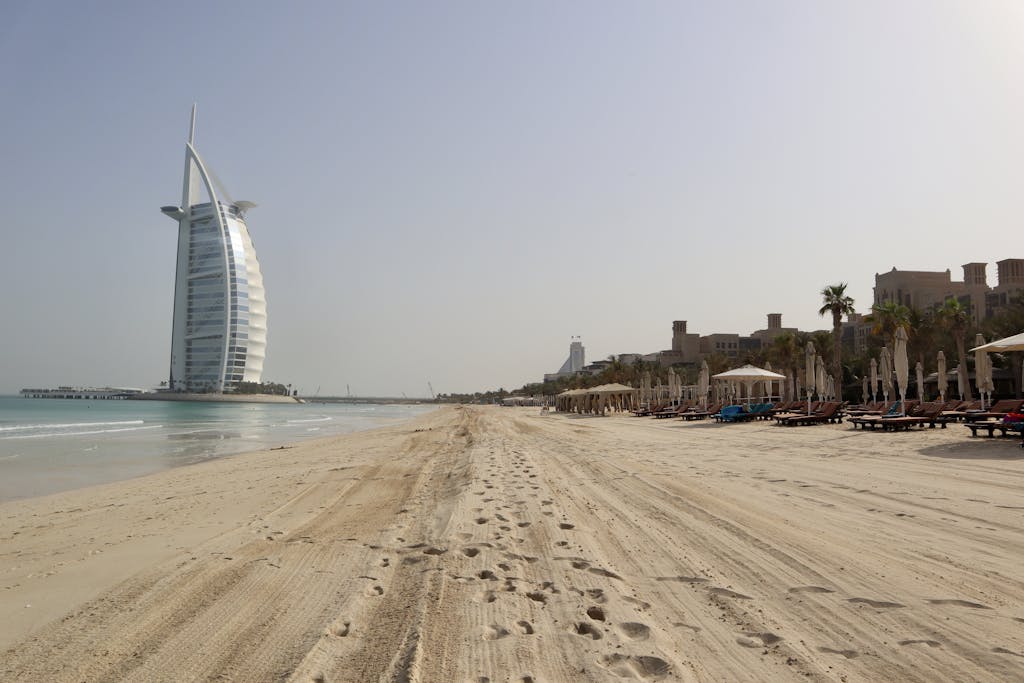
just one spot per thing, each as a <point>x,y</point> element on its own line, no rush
<point>449,191</point>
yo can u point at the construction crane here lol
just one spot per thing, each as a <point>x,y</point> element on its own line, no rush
<point>431,388</point>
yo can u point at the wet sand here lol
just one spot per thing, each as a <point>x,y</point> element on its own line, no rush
<point>494,544</point>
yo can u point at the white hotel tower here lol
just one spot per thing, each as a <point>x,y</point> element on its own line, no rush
<point>219,334</point>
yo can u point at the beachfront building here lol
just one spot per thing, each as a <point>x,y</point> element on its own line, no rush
<point>573,364</point>
<point>219,330</point>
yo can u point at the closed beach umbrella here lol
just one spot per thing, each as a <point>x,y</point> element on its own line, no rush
<point>702,383</point>
<point>809,368</point>
<point>941,375</point>
<point>885,369</point>
<point>901,364</point>
<point>821,380</point>
<point>768,383</point>
<point>864,394</point>
<point>959,382</point>
<point>981,369</point>
<point>874,379</point>
<point>920,381</point>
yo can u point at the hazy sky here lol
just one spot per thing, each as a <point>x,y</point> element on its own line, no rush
<point>449,190</point>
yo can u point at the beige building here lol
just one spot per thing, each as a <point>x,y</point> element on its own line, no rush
<point>1010,279</point>
<point>928,289</point>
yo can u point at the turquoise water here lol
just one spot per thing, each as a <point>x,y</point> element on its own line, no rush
<point>51,445</point>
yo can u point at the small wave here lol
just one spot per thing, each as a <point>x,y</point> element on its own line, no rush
<point>312,419</point>
<point>86,433</point>
<point>313,429</point>
<point>69,425</point>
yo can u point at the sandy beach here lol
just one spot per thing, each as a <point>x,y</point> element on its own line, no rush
<point>486,544</point>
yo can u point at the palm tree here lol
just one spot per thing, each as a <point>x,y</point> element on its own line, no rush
<point>1007,321</point>
<point>836,302</point>
<point>887,318</point>
<point>957,320</point>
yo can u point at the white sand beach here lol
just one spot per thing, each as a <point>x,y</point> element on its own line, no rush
<point>488,544</point>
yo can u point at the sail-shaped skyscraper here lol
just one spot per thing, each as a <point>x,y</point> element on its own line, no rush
<point>219,333</point>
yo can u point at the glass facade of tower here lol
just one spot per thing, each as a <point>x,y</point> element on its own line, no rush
<point>220,318</point>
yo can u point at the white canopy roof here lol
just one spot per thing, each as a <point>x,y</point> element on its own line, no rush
<point>748,372</point>
<point>1014,343</point>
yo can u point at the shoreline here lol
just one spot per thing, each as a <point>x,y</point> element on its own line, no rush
<point>450,546</point>
<point>214,398</point>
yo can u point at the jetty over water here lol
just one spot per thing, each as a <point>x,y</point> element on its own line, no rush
<point>100,393</point>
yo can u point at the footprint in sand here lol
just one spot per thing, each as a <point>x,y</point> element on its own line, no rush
<point>525,627</point>
<point>681,579</point>
<point>604,572</point>
<point>758,639</point>
<point>595,613</point>
<point>726,593</point>
<point>1004,651</point>
<point>481,520</point>
<point>470,552</point>
<point>487,575</point>
<point>435,551</point>
<point>929,643</point>
<point>374,591</point>
<point>485,596</point>
<point>810,589</point>
<point>849,654</point>
<point>876,603</point>
<point>340,630</point>
<point>959,603</point>
<point>537,596</point>
<point>642,604</point>
<point>632,666</point>
<point>495,632</point>
<point>584,628</point>
<point>566,526</point>
<point>634,630</point>
<point>597,594</point>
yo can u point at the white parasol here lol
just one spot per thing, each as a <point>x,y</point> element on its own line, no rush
<point>982,370</point>
<point>942,378</point>
<point>885,369</point>
<point>919,368</point>
<point>821,380</point>
<point>901,364</point>
<point>703,382</point>
<point>809,367</point>
<point>874,379</point>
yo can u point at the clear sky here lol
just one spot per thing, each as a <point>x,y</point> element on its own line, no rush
<point>449,190</point>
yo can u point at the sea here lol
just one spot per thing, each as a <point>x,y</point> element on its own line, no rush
<point>53,445</point>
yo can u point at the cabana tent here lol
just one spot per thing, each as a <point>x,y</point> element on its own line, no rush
<point>749,375</point>
<point>597,400</point>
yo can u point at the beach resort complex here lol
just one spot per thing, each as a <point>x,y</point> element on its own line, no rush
<point>219,333</point>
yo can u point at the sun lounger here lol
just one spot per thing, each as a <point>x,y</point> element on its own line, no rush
<point>799,409</point>
<point>998,410</point>
<point>872,421</point>
<point>728,414</point>
<point>697,414</point>
<point>992,425</point>
<point>925,414</point>
<point>830,412</point>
